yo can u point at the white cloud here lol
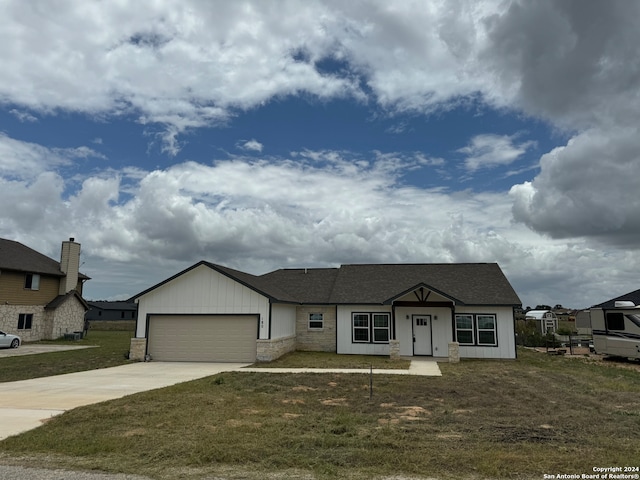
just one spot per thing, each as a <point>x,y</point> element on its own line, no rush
<point>23,116</point>
<point>251,145</point>
<point>182,65</point>
<point>185,64</point>
<point>25,160</point>
<point>489,151</point>
<point>144,226</point>
<point>587,188</point>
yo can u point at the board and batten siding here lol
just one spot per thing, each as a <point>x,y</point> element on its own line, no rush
<point>345,344</point>
<point>441,333</point>
<point>283,320</point>
<point>203,291</point>
<point>505,332</point>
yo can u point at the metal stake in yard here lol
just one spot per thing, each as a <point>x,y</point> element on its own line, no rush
<point>370,382</point>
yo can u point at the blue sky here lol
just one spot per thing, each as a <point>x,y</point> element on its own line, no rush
<point>264,135</point>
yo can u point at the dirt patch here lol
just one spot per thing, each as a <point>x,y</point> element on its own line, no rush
<point>406,413</point>
<point>304,388</point>
<point>291,416</point>
<point>338,402</point>
<point>232,422</point>
<point>293,401</point>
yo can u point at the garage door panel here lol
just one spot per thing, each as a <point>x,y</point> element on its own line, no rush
<point>203,338</point>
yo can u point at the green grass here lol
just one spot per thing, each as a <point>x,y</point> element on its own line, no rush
<point>331,360</point>
<point>112,346</point>
<point>481,419</point>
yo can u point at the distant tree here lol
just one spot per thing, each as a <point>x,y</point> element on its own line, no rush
<point>558,307</point>
<point>543,307</point>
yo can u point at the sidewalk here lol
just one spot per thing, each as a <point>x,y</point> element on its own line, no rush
<point>426,368</point>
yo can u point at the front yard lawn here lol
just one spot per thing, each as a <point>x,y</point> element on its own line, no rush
<point>537,415</point>
<point>113,347</point>
<point>332,360</point>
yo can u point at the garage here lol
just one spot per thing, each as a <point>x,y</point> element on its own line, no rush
<point>203,338</point>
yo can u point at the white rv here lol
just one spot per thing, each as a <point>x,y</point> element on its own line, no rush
<point>616,331</point>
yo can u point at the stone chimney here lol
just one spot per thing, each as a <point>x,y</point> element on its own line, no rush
<point>69,264</point>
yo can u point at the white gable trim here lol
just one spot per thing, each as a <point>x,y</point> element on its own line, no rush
<point>202,290</point>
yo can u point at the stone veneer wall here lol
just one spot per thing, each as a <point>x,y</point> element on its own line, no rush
<point>316,340</point>
<point>66,318</point>
<point>268,350</point>
<point>9,321</point>
<point>138,349</point>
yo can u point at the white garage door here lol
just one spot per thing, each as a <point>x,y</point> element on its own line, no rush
<point>203,338</point>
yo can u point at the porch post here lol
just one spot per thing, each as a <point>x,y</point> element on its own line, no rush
<point>454,352</point>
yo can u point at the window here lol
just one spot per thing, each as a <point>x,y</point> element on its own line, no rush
<point>464,329</point>
<point>486,329</point>
<point>32,281</point>
<point>380,328</point>
<point>476,329</point>
<point>361,327</point>
<point>316,321</point>
<point>371,327</point>
<point>615,321</point>
<point>24,321</point>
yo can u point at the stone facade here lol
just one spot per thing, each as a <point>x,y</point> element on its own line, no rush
<point>9,321</point>
<point>321,340</point>
<point>47,324</point>
<point>269,350</point>
<point>65,318</point>
<point>394,349</point>
<point>138,349</point>
<point>454,352</point>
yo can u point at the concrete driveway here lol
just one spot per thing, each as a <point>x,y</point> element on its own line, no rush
<point>28,403</point>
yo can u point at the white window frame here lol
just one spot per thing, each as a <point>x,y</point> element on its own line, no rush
<point>494,330</point>
<point>473,337</point>
<point>370,327</point>
<point>475,329</point>
<point>374,328</point>
<point>354,328</point>
<point>316,317</point>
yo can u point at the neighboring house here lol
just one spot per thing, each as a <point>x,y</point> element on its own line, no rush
<point>111,311</point>
<point>213,313</point>
<point>40,298</point>
<point>546,319</point>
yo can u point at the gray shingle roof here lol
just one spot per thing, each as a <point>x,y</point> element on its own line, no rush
<point>311,285</point>
<point>18,257</point>
<point>60,299</point>
<point>463,283</point>
<point>107,305</point>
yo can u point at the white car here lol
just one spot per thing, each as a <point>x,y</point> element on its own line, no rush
<point>9,341</point>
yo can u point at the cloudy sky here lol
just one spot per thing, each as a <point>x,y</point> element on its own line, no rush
<point>273,134</point>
